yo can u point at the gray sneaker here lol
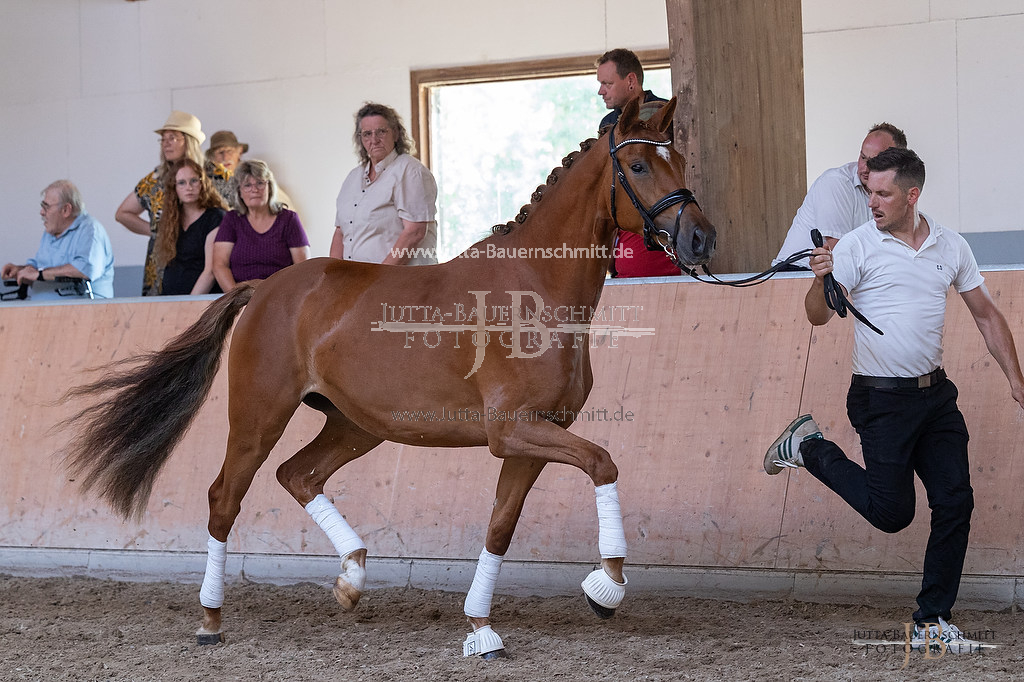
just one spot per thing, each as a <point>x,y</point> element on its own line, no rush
<point>785,451</point>
<point>942,637</point>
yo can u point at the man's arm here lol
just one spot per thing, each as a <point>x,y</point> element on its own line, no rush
<point>817,310</point>
<point>66,270</point>
<point>838,205</point>
<point>28,273</point>
<point>997,336</point>
<point>10,271</point>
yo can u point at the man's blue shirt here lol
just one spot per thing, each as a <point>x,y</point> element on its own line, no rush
<point>86,246</point>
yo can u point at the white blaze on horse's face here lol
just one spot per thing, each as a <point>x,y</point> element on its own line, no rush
<point>664,153</point>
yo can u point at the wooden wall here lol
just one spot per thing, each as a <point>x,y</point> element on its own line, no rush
<point>737,69</point>
<point>725,370</point>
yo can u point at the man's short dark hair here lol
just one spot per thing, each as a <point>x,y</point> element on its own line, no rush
<point>898,136</point>
<point>908,166</point>
<point>626,62</point>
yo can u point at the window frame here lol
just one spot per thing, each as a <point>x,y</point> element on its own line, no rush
<point>423,80</point>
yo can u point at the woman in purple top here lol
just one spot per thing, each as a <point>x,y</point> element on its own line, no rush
<point>261,236</point>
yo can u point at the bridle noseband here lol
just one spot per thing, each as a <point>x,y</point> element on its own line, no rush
<point>680,196</point>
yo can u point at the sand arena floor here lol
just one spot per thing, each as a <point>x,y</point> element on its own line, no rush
<point>87,629</point>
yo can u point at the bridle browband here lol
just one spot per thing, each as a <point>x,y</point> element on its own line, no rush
<point>651,231</point>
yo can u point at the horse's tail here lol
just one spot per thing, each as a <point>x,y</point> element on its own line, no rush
<point>150,401</point>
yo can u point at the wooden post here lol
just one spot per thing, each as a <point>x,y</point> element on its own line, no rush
<point>737,71</point>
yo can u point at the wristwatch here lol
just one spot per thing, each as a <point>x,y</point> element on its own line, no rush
<point>40,277</point>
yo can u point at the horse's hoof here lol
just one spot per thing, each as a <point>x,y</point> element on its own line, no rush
<point>494,655</point>
<point>603,612</point>
<point>484,642</point>
<point>346,595</point>
<point>204,638</point>
<point>603,594</point>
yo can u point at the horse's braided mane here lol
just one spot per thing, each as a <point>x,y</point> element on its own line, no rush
<point>538,193</point>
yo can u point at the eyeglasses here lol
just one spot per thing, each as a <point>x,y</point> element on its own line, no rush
<point>171,136</point>
<point>191,182</point>
<point>46,207</point>
<point>379,132</point>
<point>254,185</point>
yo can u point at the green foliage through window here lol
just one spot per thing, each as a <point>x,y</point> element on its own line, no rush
<point>493,143</point>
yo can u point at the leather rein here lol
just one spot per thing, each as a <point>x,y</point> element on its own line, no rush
<point>833,296</point>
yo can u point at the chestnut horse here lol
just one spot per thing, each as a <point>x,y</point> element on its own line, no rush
<point>322,333</point>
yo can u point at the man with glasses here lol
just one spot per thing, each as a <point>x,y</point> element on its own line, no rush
<point>74,244</point>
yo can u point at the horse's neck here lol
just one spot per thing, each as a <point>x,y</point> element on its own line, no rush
<point>567,227</point>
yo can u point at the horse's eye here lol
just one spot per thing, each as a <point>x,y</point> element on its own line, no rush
<point>638,168</point>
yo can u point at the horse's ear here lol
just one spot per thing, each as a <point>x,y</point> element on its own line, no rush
<point>662,119</point>
<point>630,115</point>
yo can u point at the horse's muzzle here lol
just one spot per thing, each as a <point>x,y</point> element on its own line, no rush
<point>695,237</point>
<point>703,244</point>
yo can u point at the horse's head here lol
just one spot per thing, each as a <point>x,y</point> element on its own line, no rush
<point>650,172</point>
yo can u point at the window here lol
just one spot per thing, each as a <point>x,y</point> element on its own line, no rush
<point>492,134</point>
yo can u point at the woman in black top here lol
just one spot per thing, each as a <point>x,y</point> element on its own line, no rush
<point>188,226</point>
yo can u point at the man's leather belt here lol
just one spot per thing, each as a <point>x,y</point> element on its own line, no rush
<point>900,382</point>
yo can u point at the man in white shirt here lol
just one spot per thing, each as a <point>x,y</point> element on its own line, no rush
<point>897,270</point>
<point>837,201</point>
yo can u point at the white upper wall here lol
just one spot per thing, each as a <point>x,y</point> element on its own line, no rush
<point>949,72</point>
<point>85,83</point>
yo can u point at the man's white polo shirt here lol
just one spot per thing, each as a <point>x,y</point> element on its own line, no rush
<point>903,292</point>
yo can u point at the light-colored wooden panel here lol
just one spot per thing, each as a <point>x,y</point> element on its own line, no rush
<point>723,372</point>
<point>822,532</point>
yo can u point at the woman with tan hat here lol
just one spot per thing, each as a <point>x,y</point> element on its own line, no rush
<point>180,138</point>
<point>226,150</point>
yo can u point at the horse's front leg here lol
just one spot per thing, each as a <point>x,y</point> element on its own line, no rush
<point>525,448</point>
<point>514,482</point>
<point>605,587</point>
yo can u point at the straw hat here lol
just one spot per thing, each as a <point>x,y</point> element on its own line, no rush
<point>183,123</point>
<point>226,138</point>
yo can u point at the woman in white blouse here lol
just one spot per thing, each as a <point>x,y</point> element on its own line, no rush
<point>386,208</point>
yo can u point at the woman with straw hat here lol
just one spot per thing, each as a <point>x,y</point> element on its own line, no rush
<point>180,137</point>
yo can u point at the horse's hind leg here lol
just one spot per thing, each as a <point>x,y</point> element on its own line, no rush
<point>304,475</point>
<point>517,477</point>
<point>255,429</point>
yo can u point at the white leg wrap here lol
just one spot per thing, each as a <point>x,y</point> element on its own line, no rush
<point>483,641</point>
<point>611,538</point>
<point>211,594</point>
<point>602,589</point>
<point>331,521</point>
<point>478,599</point>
